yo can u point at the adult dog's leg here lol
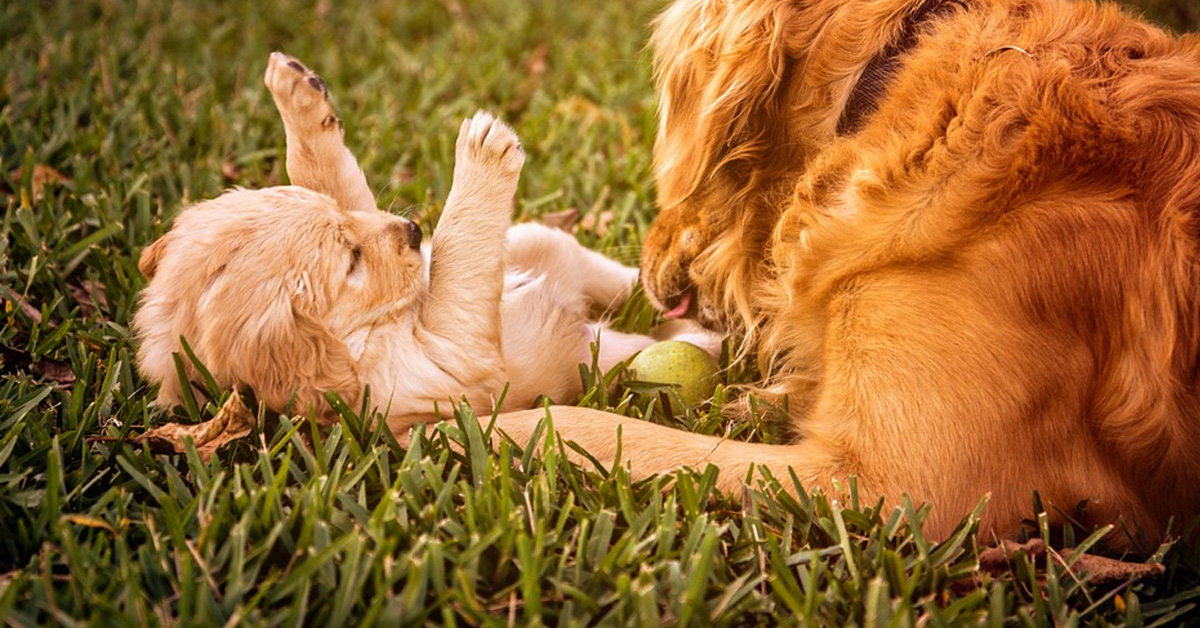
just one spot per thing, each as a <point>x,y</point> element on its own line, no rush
<point>460,320</point>
<point>317,157</point>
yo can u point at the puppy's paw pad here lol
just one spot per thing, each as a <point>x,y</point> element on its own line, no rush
<point>299,93</point>
<point>487,142</point>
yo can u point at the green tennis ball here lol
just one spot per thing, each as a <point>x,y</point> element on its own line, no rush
<point>688,369</point>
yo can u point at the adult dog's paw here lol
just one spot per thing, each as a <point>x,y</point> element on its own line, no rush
<point>299,94</point>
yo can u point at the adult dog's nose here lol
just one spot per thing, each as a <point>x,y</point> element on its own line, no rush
<point>414,235</point>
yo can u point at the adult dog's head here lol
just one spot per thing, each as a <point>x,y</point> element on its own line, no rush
<point>276,289</point>
<point>749,91</point>
<point>753,93</point>
<point>739,113</point>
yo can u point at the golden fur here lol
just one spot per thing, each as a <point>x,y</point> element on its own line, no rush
<point>993,287</point>
<point>297,291</point>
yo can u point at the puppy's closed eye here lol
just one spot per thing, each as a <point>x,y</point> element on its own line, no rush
<point>356,271</point>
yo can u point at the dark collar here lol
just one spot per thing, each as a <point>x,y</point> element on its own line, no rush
<point>877,76</point>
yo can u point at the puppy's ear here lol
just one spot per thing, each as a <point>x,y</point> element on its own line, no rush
<point>283,351</point>
<point>151,255</point>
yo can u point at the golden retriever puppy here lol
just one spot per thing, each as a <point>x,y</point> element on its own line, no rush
<point>300,290</point>
<point>963,237</point>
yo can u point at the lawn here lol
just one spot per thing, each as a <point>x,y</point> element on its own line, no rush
<point>115,114</point>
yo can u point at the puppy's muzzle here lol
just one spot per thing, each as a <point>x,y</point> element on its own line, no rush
<point>412,231</point>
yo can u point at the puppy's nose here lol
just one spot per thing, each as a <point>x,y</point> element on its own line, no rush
<point>414,235</point>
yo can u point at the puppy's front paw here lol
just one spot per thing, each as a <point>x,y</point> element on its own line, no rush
<point>300,95</point>
<point>487,148</point>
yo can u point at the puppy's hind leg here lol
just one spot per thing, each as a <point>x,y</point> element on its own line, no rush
<point>615,346</point>
<point>317,157</point>
<point>569,267</point>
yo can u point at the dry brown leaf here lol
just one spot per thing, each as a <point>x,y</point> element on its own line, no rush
<point>454,8</point>
<point>997,561</point>
<point>13,298</point>
<point>1102,570</point>
<point>564,220</point>
<point>13,359</point>
<point>403,174</point>
<point>230,170</point>
<point>55,371</point>
<point>43,175</point>
<point>233,421</point>
<point>88,294</point>
<point>597,222</point>
<point>538,61</point>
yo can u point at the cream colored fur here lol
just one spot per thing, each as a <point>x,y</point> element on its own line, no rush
<point>300,290</point>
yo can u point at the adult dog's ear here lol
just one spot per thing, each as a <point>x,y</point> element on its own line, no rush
<point>719,67</point>
<point>283,350</point>
<point>152,255</point>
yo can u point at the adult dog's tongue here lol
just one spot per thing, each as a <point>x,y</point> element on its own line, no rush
<point>681,310</point>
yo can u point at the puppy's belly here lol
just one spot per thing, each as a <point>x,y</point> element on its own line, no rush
<point>545,337</point>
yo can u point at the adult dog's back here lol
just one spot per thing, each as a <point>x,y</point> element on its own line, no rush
<point>963,235</point>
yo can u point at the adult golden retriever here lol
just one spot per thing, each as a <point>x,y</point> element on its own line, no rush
<point>963,237</point>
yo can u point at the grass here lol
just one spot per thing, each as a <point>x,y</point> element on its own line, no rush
<point>145,106</point>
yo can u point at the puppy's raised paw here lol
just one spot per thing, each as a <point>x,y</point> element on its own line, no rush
<point>300,95</point>
<point>488,144</point>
